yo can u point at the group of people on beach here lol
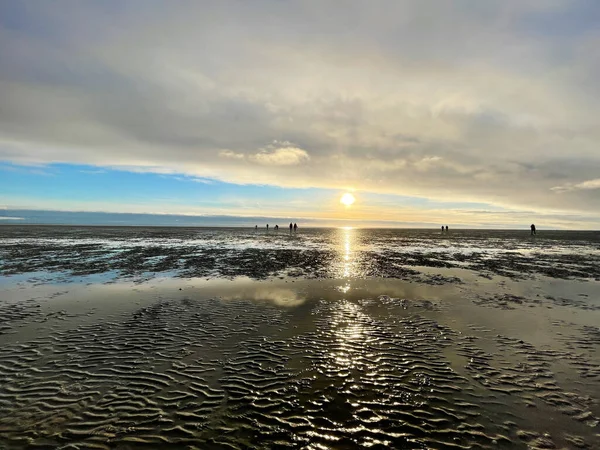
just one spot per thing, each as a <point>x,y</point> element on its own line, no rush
<point>293,226</point>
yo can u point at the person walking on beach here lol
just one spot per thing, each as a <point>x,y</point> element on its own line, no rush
<point>532,229</point>
<point>295,227</point>
<point>446,228</point>
<point>442,229</point>
<point>267,227</point>
<point>291,226</point>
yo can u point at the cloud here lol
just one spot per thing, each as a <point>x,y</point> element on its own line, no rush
<point>493,102</point>
<point>93,171</point>
<point>231,155</point>
<point>280,154</point>
<point>286,156</point>
<point>428,162</point>
<point>274,154</point>
<point>589,184</point>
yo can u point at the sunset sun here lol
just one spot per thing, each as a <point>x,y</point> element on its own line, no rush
<point>347,199</point>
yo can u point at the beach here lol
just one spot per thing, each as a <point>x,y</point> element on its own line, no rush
<point>149,337</point>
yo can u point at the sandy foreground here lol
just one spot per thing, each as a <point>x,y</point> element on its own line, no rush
<point>192,363</point>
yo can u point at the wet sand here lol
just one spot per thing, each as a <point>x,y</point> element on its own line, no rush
<point>436,357</point>
<point>126,252</point>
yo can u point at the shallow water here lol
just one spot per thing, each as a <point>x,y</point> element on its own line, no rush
<point>432,355</point>
<point>311,253</point>
<point>318,363</point>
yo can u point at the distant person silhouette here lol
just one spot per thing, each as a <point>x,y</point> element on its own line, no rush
<point>267,227</point>
<point>446,228</point>
<point>276,227</point>
<point>256,227</point>
<point>291,226</point>
<point>442,228</point>
<point>295,227</point>
<point>532,229</point>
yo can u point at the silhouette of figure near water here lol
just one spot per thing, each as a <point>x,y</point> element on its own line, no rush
<point>446,228</point>
<point>256,227</point>
<point>532,229</point>
<point>295,227</point>
<point>442,229</point>
<point>276,227</point>
<point>291,226</point>
<point>267,227</point>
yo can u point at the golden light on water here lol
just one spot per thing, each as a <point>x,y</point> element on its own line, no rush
<point>347,199</point>
<point>347,253</point>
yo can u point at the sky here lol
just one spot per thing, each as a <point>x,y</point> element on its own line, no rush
<point>467,113</point>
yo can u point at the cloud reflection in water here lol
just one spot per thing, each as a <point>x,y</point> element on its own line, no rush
<point>277,295</point>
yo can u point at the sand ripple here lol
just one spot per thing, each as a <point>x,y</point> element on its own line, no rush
<point>380,372</point>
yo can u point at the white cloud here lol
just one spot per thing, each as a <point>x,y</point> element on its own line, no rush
<point>286,156</point>
<point>589,184</point>
<point>231,155</point>
<point>280,154</point>
<point>274,154</point>
<point>427,163</point>
<point>93,171</point>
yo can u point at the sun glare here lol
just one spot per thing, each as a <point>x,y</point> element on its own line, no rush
<point>347,199</point>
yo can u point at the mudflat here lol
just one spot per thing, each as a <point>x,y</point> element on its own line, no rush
<point>131,337</point>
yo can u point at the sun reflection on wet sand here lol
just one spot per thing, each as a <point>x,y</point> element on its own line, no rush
<point>347,251</point>
<point>349,331</point>
<point>344,288</point>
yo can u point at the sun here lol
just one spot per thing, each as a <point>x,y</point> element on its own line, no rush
<point>347,199</point>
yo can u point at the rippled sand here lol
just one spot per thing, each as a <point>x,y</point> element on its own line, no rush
<point>340,363</point>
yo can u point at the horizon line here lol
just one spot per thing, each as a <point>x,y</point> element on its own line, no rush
<point>284,229</point>
<point>13,217</point>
